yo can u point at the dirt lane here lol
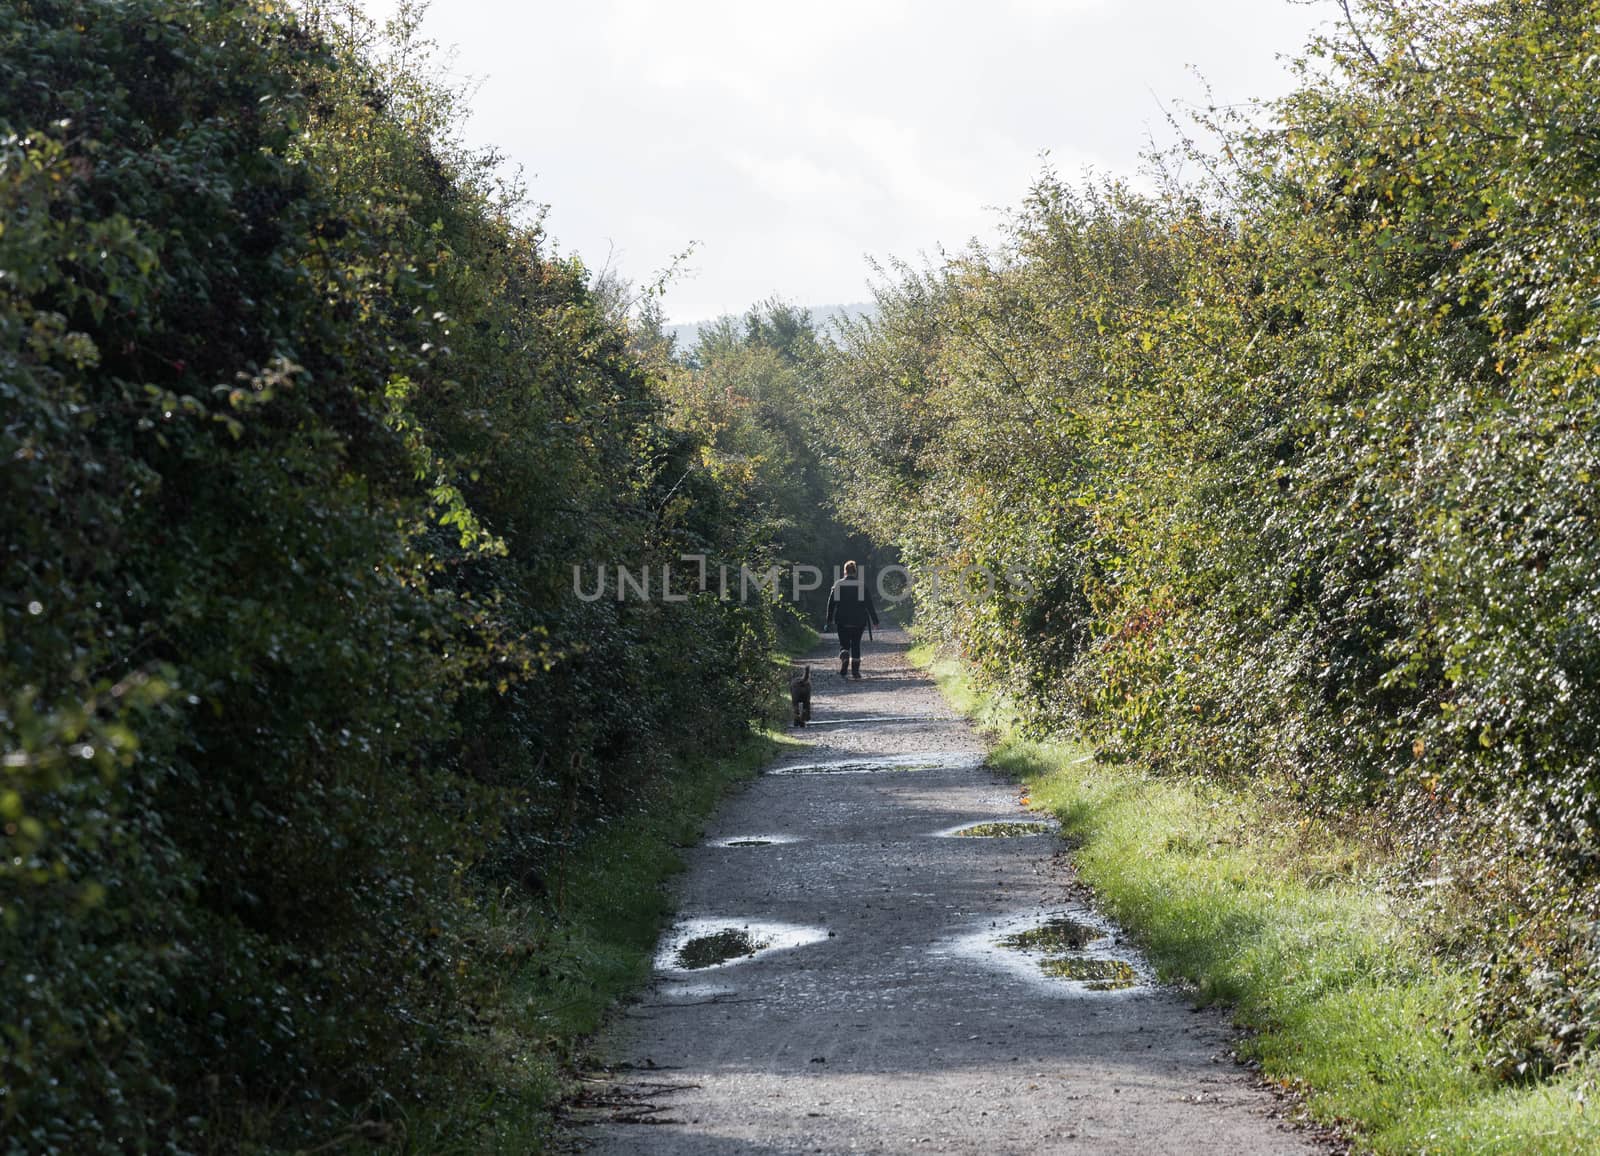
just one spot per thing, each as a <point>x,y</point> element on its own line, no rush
<point>886,1016</point>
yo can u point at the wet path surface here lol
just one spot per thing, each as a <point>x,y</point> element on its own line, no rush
<point>886,988</point>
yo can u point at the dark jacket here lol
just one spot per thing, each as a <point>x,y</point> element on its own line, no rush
<point>850,603</point>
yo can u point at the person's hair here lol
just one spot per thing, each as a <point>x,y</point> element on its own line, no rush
<point>850,567</point>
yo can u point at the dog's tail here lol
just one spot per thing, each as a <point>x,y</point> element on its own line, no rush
<point>806,677</point>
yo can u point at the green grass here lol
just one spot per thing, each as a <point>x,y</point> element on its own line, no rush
<point>795,636</point>
<point>1286,923</point>
<point>559,965</point>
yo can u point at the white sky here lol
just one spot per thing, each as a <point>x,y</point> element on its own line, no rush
<point>792,141</point>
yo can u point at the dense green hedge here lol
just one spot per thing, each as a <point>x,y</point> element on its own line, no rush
<point>302,436</point>
<point>747,389</point>
<point>1300,454</point>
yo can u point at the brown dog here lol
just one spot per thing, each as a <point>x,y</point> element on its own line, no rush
<point>800,697</point>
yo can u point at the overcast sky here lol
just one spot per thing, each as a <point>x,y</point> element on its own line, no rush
<point>790,142</point>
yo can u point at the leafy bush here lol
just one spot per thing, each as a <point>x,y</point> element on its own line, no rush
<point>304,435</point>
<point>1300,460</point>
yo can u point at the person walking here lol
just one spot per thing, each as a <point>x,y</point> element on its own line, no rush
<point>850,609</point>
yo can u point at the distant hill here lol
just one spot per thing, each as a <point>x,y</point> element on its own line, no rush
<point>822,316</point>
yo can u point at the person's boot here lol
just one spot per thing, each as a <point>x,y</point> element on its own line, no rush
<point>844,662</point>
<point>855,671</point>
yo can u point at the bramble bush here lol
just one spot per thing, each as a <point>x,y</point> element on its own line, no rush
<point>1301,460</point>
<point>303,435</point>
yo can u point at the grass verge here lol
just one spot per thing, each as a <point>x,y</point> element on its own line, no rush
<point>556,966</point>
<point>561,964</point>
<point>1286,924</point>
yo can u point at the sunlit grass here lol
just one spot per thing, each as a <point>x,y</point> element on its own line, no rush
<point>1288,926</point>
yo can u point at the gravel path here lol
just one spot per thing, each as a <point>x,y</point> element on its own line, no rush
<point>884,1015</point>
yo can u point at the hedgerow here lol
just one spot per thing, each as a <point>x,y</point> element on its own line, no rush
<point>304,432</point>
<point>1299,459</point>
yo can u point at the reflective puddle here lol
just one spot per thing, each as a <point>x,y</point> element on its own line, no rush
<point>697,992</point>
<point>921,761</point>
<point>998,830</point>
<point>697,944</point>
<point>1060,933</point>
<point>1094,974</point>
<point>719,947</point>
<point>1070,952</point>
<point>753,840</point>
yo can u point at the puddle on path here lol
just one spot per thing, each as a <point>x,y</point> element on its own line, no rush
<point>867,765</point>
<point>753,840</point>
<point>697,992</point>
<point>1060,933</point>
<point>1094,974</point>
<point>1067,953</point>
<point>719,947</point>
<point>998,830</point>
<point>697,944</point>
